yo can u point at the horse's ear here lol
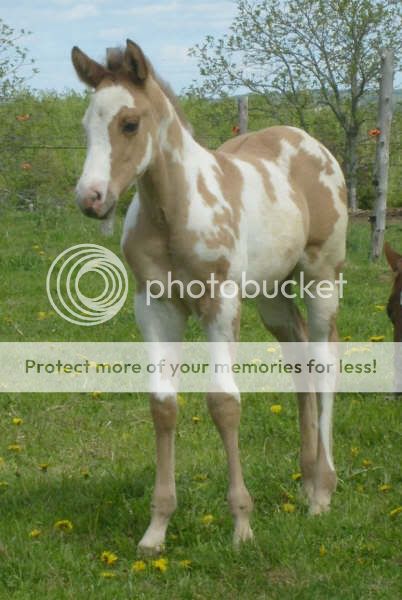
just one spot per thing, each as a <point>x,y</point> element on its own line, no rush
<point>88,70</point>
<point>394,259</point>
<point>136,62</point>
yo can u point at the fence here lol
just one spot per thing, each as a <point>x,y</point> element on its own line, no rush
<point>42,147</point>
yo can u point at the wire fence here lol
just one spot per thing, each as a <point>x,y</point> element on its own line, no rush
<point>42,150</point>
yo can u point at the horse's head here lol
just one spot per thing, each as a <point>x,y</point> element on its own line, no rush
<point>120,126</point>
<point>394,307</point>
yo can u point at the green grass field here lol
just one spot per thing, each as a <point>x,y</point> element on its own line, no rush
<point>89,459</point>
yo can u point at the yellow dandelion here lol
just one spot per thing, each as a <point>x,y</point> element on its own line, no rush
<point>109,558</point>
<point>161,564</point>
<point>208,519</point>
<point>360,488</point>
<point>107,574</point>
<point>138,566</point>
<point>185,564</point>
<point>379,307</point>
<point>395,511</point>
<point>41,315</point>
<point>288,507</point>
<point>17,421</point>
<point>35,533</point>
<point>377,338</point>
<point>196,419</point>
<point>35,247</point>
<point>276,409</point>
<point>346,338</point>
<point>354,450</point>
<point>14,447</point>
<point>384,487</point>
<point>64,525</point>
<point>322,550</point>
<point>95,395</point>
<point>181,401</point>
<point>201,477</point>
<point>366,462</point>
<point>43,467</point>
<point>296,476</point>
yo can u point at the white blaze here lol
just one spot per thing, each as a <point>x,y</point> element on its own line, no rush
<point>104,105</point>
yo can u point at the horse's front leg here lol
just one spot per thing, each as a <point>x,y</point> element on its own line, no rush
<point>161,321</point>
<point>224,407</point>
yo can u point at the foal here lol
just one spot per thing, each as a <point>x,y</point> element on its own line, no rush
<point>265,204</point>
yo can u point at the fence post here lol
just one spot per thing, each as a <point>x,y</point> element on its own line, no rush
<point>382,152</point>
<point>242,107</point>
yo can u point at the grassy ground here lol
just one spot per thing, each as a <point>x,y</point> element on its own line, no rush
<point>97,457</point>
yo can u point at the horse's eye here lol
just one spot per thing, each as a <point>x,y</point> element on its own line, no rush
<point>130,126</point>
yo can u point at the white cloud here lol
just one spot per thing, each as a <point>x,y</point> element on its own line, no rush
<point>113,34</point>
<point>78,12</point>
<point>149,9</point>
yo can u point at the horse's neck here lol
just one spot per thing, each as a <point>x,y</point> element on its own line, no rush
<point>166,188</point>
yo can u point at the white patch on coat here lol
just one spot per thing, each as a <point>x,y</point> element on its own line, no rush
<point>220,334</point>
<point>325,425</point>
<point>146,159</point>
<point>104,106</point>
<point>274,235</point>
<point>130,219</point>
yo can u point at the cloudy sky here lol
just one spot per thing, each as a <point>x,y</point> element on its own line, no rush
<point>165,29</point>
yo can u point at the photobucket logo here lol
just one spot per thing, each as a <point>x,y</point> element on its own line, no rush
<point>247,288</point>
<point>65,276</point>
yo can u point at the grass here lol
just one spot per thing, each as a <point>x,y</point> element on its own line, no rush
<point>100,456</point>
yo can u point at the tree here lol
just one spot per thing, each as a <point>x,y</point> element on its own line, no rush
<point>303,54</point>
<point>13,58</point>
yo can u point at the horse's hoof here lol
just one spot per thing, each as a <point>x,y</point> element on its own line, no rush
<point>242,534</point>
<point>149,551</point>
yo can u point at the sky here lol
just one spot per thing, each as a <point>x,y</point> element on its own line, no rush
<point>165,29</point>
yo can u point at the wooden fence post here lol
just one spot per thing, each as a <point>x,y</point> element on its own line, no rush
<point>242,106</point>
<point>382,152</point>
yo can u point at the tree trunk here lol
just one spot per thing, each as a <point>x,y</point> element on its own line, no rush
<point>382,154</point>
<point>351,169</point>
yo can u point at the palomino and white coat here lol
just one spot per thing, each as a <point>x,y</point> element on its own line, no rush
<point>266,204</point>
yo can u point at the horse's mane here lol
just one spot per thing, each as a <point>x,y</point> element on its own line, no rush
<point>115,64</point>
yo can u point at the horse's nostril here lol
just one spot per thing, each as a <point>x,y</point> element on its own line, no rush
<point>94,196</point>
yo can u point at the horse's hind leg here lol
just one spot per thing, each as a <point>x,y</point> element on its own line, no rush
<point>322,328</point>
<point>283,319</point>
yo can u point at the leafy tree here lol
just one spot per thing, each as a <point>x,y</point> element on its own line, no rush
<point>301,54</point>
<point>13,57</point>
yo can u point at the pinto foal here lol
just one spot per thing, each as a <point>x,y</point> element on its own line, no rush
<point>266,204</point>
